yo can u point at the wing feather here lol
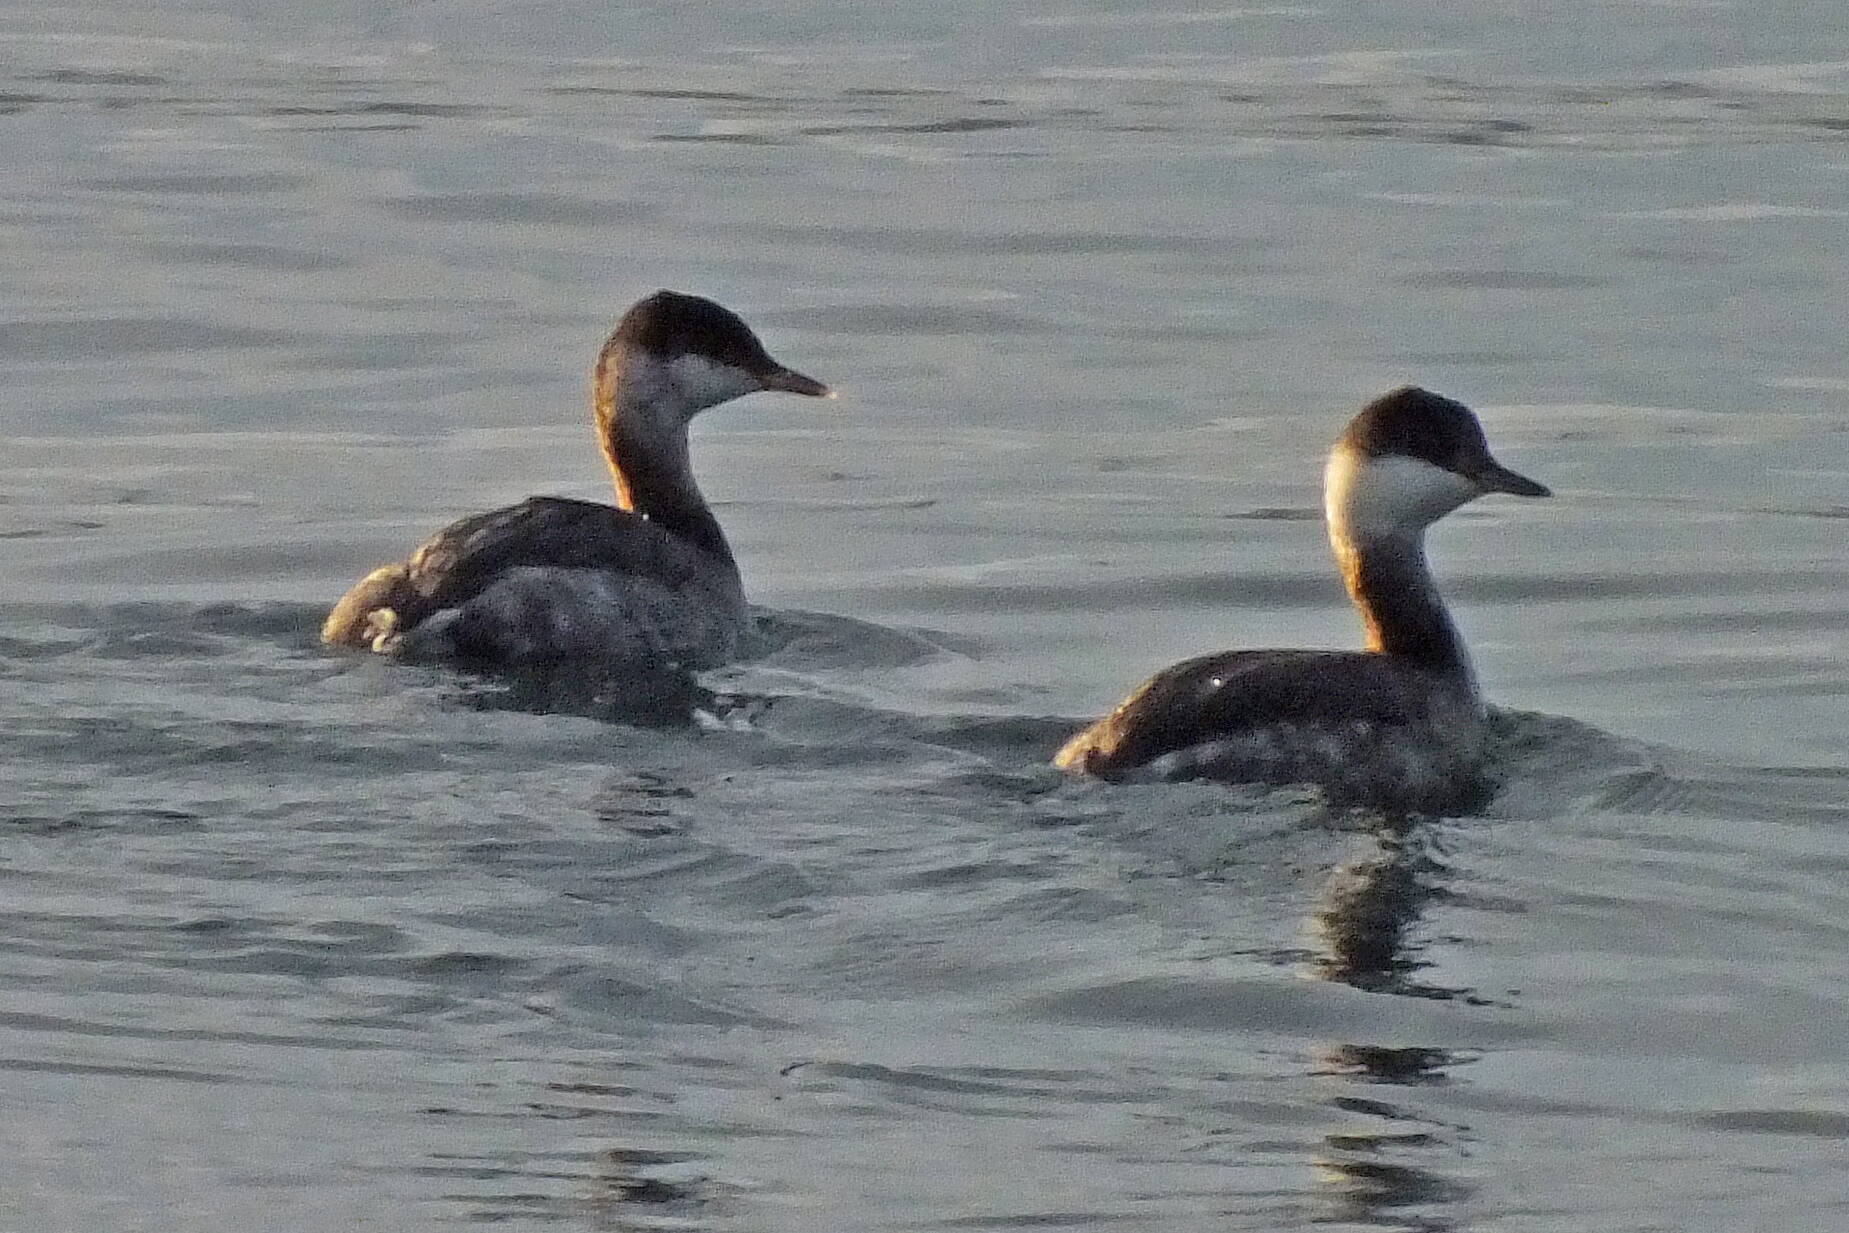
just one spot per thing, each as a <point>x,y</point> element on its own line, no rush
<point>1236,692</point>
<point>469,555</point>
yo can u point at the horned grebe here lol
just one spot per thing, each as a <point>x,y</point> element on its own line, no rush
<point>650,579</point>
<point>1398,723</point>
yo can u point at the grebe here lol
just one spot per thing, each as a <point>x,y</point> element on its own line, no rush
<point>649,580</point>
<point>1400,722</point>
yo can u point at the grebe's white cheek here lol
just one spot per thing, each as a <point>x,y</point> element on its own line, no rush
<point>706,383</point>
<point>1391,495</point>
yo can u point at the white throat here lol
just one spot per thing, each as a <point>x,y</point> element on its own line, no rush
<point>700,383</point>
<point>679,388</point>
<point>1393,497</point>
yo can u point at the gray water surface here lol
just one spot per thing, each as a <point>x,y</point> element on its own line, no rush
<point>294,940</point>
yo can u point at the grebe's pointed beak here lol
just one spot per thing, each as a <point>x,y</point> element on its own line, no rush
<point>1492,476</point>
<point>792,382</point>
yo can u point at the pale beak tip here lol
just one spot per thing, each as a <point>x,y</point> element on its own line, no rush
<point>792,382</point>
<point>1498,478</point>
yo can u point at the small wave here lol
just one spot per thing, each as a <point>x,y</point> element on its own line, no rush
<point>516,208</point>
<point>818,640</point>
<point>155,630</point>
<point>1546,765</point>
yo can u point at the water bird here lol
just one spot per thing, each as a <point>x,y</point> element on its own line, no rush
<point>1399,722</point>
<point>650,580</point>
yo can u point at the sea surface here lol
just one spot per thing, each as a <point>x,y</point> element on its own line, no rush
<point>297,940</point>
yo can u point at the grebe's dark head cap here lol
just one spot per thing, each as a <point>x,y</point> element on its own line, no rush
<point>1413,423</point>
<point>669,324</point>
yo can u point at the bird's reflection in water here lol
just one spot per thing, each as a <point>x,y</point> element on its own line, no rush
<point>638,1188</point>
<point>1374,1165</point>
<point>1375,1193</point>
<point>642,697</point>
<point>1368,905</point>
